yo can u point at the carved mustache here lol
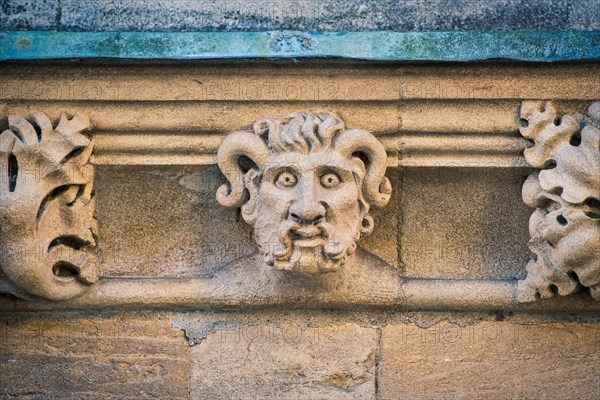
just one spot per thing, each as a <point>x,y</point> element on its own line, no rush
<point>292,230</point>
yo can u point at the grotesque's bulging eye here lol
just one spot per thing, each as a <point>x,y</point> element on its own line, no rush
<point>330,180</point>
<point>286,180</point>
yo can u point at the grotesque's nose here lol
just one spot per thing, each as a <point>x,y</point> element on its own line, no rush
<point>306,209</point>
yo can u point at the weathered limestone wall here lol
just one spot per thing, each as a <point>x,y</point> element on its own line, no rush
<point>454,235</point>
<point>295,355</point>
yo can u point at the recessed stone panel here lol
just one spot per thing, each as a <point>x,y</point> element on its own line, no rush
<point>461,223</point>
<point>166,222</point>
<point>178,228</point>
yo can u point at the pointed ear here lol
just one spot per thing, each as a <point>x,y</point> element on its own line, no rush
<point>252,183</point>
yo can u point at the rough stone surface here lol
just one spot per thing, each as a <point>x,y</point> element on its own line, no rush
<point>457,223</point>
<point>30,15</point>
<point>298,355</point>
<point>178,228</point>
<point>84,357</point>
<point>329,15</point>
<point>491,359</point>
<point>286,360</point>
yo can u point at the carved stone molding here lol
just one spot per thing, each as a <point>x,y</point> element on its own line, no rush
<point>307,189</point>
<point>565,227</point>
<point>47,204</point>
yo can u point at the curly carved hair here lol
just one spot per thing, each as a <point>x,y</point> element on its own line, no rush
<point>303,133</point>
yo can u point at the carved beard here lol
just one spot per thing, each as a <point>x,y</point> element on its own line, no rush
<point>324,254</point>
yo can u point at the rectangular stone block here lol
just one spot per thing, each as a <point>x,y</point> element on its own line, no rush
<point>464,223</point>
<point>491,360</point>
<point>285,361</point>
<point>79,357</point>
<point>177,227</point>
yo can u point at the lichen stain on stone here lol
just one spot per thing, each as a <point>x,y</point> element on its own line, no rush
<point>109,45</point>
<point>196,332</point>
<point>23,44</point>
<point>156,46</point>
<point>291,43</point>
<point>370,360</point>
<point>345,381</point>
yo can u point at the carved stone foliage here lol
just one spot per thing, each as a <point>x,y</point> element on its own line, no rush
<point>47,205</point>
<point>565,226</point>
<point>306,184</point>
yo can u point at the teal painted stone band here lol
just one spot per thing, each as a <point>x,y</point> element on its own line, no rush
<point>377,45</point>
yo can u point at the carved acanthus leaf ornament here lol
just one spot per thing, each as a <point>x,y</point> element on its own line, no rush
<point>47,205</point>
<point>565,226</point>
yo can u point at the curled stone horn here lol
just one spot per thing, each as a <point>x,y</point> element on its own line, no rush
<point>376,186</point>
<point>234,146</point>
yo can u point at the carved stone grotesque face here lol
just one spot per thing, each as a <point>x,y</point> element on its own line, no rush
<point>47,206</point>
<point>309,192</point>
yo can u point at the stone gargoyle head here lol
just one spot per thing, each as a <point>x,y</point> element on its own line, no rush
<point>47,206</point>
<point>305,184</point>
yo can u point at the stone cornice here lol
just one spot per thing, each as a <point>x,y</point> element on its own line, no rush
<point>203,294</point>
<point>375,45</point>
<point>425,116</point>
